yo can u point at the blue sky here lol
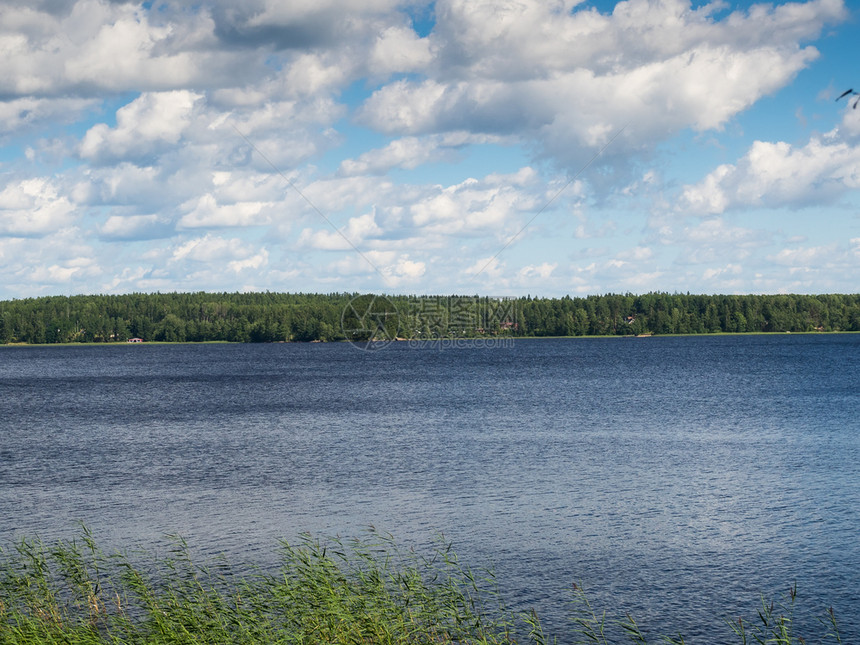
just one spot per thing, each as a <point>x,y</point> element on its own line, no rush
<point>418,147</point>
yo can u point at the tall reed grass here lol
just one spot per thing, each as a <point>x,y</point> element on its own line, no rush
<point>332,591</point>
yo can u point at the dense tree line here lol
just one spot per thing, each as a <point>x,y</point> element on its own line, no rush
<point>275,317</point>
<point>664,313</point>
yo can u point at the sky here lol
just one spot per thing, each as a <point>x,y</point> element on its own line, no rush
<point>501,148</point>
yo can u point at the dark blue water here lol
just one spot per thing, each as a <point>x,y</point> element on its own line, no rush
<point>677,478</point>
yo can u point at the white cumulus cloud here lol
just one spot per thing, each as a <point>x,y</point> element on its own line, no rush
<point>152,121</point>
<point>34,207</point>
<point>777,174</point>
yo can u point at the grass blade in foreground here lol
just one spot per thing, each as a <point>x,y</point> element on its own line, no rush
<point>326,592</point>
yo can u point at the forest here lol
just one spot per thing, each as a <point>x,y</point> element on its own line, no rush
<point>284,317</point>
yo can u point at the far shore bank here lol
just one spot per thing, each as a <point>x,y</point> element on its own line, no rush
<point>461,340</point>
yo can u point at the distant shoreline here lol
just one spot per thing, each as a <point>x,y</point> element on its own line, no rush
<point>464,340</point>
<point>286,317</point>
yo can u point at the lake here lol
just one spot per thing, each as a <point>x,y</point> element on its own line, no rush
<point>676,478</point>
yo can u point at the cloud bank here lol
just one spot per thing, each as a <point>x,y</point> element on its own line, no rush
<point>398,145</point>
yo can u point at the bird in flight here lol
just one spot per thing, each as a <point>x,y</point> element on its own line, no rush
<point>846,93</point>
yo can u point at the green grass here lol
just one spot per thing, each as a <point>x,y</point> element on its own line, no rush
<point>332,591</point>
